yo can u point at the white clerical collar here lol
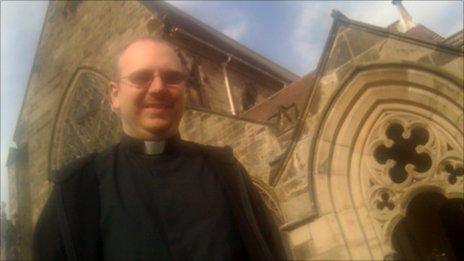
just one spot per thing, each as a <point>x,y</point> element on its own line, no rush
<point>154,147</point>
<point>149,147</point>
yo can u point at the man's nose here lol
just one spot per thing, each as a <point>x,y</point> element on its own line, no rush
<point>157,85</point>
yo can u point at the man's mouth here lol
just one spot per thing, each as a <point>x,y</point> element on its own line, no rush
<point>159,106</point>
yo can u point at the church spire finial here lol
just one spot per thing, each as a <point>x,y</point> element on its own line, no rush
<point>406,21</point>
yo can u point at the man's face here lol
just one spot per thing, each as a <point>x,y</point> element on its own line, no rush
<point>152,111</point>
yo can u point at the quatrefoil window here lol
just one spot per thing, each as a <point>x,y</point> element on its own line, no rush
<point>403,152</point>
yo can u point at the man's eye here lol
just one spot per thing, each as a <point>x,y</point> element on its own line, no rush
<point>141,77</point>
<point>173,77</point>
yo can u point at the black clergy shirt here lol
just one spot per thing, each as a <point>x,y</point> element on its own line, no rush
<point>165,206</point>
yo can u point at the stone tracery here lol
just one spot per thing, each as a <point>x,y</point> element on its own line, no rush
<point>431,170</point>
<point>270,200</point>
<point>85,122</point>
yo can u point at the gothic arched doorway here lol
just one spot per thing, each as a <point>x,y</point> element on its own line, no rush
<point>388,133</point>
<point>433,229</point>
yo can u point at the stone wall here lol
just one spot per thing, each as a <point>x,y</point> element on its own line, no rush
<point>254,144</point>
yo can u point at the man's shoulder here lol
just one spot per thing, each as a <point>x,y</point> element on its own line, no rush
<point>223,154</point>
<point>70,169</point>
<point>79,165</point>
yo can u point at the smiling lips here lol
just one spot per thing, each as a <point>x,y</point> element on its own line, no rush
<point>156,106</point>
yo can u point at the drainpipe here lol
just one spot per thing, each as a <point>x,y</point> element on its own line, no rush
<point>226,81</point>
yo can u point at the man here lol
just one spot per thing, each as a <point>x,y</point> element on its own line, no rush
<point>153,195</point>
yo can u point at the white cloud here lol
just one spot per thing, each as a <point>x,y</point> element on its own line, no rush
<point>312,25</point>
<point>227,19</point>
<point>235,31</point>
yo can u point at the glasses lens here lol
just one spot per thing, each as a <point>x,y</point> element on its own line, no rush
<point>173,77</point>
<point>141,77</point>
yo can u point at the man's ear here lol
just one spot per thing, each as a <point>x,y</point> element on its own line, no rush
<point>113,92</point>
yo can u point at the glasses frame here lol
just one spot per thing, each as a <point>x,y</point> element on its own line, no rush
<point>155,73</point>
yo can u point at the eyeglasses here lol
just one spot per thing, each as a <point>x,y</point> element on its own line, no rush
<point>144,78</point>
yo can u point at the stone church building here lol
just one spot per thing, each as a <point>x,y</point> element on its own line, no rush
<point>361,158</point>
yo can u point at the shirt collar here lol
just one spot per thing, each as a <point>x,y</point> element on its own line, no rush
<point>140,146</point>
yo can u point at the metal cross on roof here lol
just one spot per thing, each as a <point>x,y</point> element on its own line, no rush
<point>406,22</point>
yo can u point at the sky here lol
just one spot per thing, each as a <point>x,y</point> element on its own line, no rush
<point>290,33</point>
